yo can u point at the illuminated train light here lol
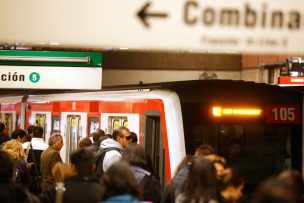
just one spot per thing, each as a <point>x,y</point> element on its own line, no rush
<point>219,111</point>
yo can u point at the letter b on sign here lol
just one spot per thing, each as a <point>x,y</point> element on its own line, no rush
<point>34,77</point>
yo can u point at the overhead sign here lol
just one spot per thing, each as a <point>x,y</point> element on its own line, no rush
<point>46,77</point>
<point>259,26</point>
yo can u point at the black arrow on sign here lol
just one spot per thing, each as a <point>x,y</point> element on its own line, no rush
<point>143,14</point>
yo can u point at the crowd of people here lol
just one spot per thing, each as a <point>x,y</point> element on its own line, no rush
<point>115,168</point>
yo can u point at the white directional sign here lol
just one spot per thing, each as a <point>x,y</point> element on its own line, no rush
<point>43,77</point>
<point>253,26</point>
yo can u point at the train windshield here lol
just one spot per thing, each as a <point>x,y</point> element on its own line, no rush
<point>258,149</point>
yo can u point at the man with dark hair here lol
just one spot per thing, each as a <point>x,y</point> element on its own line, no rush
<point>133,137</point>
<point>98,137</point>
<point>9,191</point>
<point>49,158</point>
<point>3,137</point>
<point>83,186</point>
<point>19,135</point>
<point>34,149</point>
<point>30,129</point>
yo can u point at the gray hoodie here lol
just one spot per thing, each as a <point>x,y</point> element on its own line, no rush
<point>110,156</point>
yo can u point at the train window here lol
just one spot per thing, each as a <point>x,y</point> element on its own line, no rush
<point>8,122</point>
<point>40,120</point>
<point>55,124</point>
<point>115,122</point>
<point>73,133</point>
<point>295,67</point>
<point>93,125</point>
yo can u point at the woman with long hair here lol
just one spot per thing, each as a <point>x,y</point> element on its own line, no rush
<point>136,156</point>
<point>120,184</point>
<point>200,185</point>
<point>14,148</point>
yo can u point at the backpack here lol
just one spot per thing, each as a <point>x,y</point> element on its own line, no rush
<point>152,188</point>
<point>99,157</point>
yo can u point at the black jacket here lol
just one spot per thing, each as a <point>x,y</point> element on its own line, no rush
<point>77,189</point>
<point>4,138</point>
<point>13,193</point>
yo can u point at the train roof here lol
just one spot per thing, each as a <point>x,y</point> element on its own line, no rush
<point>215,91</point>
<point>197,90</point>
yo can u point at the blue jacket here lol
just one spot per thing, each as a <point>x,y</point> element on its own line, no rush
<point>121,198</point>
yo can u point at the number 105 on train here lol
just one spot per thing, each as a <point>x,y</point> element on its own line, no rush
<point>283,114</point>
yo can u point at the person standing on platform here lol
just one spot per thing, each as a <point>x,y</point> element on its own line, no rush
<point>125,131</point>
<point>34,149</point>
<point>98,137</point>
<point>111,152</point>
<point>49,158</point>
<point>79,186</point>
<point>9,190</point>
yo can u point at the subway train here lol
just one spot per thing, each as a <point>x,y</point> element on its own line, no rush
<point>256,127</point>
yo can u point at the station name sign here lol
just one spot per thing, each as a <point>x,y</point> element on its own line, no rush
<point>260,26</point>
<point>52,77</point>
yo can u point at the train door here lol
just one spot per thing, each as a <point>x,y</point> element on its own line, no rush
<point>42,119</point>
<point>9,120</point>
<point>153,142</point>
<point>74,129</point>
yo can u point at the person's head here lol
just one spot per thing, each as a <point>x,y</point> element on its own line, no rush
<point>135,155</point>
<point>30,129</point>
<point>19,135</point>
<point>219,164</point>
<point>83,162</point>
<point>133,137</point>
<point>231,185</point>
<point>98,136</point>
<point>84,142</point>
<point>204,150</point>
<point>275,191</point>
<point>119,179</point>
<point>14,148</point>
<point>38,132</point>
<point>294,179</point>
<point>201,181</point>
<point>7,166</point>
<point>2,127</point>
<point>56,142</point>
<point>125,131</point>
<point>61,171</point>
<point>119,137</point>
